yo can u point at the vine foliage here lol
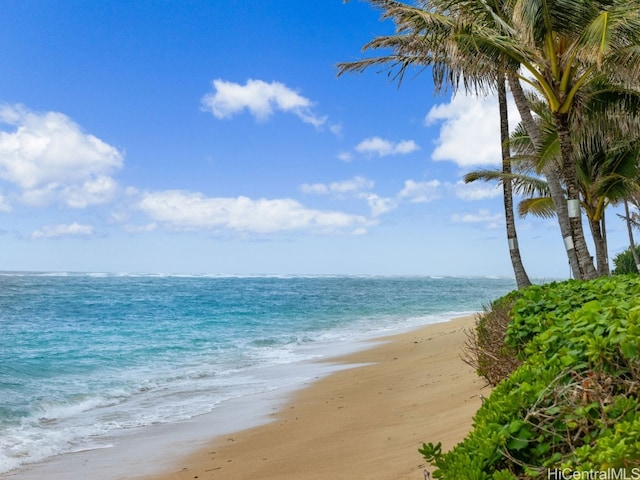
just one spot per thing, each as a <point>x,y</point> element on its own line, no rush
<point>573,403</point>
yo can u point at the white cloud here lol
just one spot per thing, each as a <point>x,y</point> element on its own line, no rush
<point>50,158</point>
<point>420,192</point>
<point>481,216</point>
<point>345,156</point>
<point>470,130</point>
<point>50,148</point>
<point>336,129</point>
<point>356,187</point>
<point>92,192</point>
<point>261,99</point>
<point>315,188</point>
<point>5,206</point>
<point>352,185</point>
<point>476,191</point>
<point>149,227</point>
<point>378,205</point>
<point>382,148</point>
<point>193,211</point>
<point>405,146</point>
<point>64,230</point>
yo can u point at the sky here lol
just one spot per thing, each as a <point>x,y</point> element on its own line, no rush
<point>215,137</point>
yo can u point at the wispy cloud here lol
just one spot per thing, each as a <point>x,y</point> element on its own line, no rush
<point>261,99</point>
<point>345,156</point>
<point>481,216</point>
<point>476,191</point>
<point>379,205</point>
<point>383,148</point>
<point>63,230</point>
<point>420,192</point>
<point>355,184</point>
<point>5,206</point>
<point>356,187</point>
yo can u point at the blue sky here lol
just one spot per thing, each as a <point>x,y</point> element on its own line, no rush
<point>216,137</point>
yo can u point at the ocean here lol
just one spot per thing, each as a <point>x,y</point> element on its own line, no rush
<point>89,359</point>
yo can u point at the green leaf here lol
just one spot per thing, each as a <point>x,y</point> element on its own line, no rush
<point>629,350</point>
<point>517,443</point>
<point>567,360</point>
<point>515,426</point>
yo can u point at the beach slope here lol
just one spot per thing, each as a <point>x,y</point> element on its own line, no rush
<point>362,422</point>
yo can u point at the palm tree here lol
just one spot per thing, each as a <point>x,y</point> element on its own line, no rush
<point>522,279</point>
<point>607,166</point>
<point>606,176</point>
<point>564,47</point>
<point>439,47</point>
<point>567,46</point>
<point>607,140</point>
<point>632,244</point>
<point>551,171</point>
<point>425,38</point>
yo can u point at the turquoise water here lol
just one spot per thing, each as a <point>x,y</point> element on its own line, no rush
<point>84,357</point>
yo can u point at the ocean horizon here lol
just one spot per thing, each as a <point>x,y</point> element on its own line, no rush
<point>88,360</point>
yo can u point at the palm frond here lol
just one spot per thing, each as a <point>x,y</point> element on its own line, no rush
<point>524,185</point>
<point>483,175</point>
<point>527,185</point>
<point>426,37</point>
<point>549,149</point>
<point>542,207</point>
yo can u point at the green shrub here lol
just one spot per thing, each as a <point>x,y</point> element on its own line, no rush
<point>574,402</point>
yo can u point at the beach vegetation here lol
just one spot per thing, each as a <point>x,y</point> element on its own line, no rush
<point>485,349</point>
<point>573,404</point>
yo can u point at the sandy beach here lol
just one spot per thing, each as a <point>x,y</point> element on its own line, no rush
<point>365,422</point>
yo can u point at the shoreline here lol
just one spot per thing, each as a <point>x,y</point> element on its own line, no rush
<point>364,421</point>
<point>380,400</point>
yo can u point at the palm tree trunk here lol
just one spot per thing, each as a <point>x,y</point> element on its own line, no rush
<point>549,171</point>
<point>605,244</point>
<point>585,260</point>
<point>522,279</point>
<point>632,244</point>
<point>600,240</point>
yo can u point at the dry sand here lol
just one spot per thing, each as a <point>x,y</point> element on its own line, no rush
<point>365,422</point>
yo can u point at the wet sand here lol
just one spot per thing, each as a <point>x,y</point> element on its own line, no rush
<point>364,422</point>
